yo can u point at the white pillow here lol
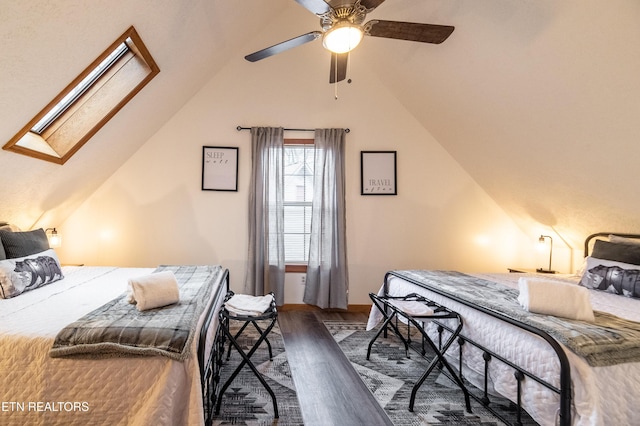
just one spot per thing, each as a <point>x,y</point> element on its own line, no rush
<point>28,273</point>
<point>9,227</point>
<point>623,240</point>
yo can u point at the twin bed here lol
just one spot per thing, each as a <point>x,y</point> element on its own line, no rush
<point>526,357</point>
<point>139,387</point>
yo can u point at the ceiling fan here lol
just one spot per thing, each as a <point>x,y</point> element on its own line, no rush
<point>343,28</point>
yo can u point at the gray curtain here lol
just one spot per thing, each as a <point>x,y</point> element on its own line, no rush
<point>265,270</point>
<point>327,282</point>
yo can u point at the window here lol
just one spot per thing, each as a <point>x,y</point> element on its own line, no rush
<point>88,103</point>
<point>298,193</point>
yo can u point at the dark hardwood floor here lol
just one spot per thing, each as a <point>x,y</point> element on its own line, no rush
<point>329,390</point>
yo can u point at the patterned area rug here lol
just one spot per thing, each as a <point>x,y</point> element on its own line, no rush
<point>390,376</point>
<point>246,402</point>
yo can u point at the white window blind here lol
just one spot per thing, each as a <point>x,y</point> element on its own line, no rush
<point>298,193</point>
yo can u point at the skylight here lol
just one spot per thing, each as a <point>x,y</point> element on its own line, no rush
<point>78,90</point>
<point>88,103</point>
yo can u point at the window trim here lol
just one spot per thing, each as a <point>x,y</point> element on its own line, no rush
<point>136,48</point>
<point>297,267</point>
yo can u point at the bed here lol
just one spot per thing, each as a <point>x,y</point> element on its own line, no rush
<point>132,389</point>
<point>503,354</point>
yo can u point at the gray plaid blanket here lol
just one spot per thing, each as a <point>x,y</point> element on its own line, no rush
<point>119,329</point>
<point>609,340</point>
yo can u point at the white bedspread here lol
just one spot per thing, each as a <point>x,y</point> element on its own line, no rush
<point>37,390</point>
<point>601,395</point>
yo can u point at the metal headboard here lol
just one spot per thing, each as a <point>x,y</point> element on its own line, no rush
<point>599,235</point>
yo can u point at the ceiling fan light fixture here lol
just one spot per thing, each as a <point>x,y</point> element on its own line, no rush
<point>342,37</point>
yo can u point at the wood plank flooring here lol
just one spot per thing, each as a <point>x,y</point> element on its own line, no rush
<point>329,390</point>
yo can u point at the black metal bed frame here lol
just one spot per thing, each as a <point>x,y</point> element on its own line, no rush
<point>488,355</point>
<point>210,368</point>
<point>597,235</point>
<point>564,417</point>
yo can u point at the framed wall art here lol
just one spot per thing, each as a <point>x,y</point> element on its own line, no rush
<point>378,173</point>
<point>219,168</point>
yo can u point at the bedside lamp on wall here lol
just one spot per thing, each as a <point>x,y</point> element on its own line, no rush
<point>541,241</point>
<point>55,239</point>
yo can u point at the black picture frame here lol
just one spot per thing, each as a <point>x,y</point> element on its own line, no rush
<point>378,173</point>
<point>220,168</point>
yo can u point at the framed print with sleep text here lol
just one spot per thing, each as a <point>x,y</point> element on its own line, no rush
<point>219,168</point>
<point>378,173</point>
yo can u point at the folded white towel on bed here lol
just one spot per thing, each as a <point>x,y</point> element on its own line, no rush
<point>153,290</point>
<point>247,305</point>
<point>555,298</point>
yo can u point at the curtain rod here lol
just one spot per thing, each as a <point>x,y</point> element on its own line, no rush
<point>347,130</point>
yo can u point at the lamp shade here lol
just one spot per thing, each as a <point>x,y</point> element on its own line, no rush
<point>342,37</point>
<point>55,239</point>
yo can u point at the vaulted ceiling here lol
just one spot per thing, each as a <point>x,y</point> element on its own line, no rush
<point>538,100</point>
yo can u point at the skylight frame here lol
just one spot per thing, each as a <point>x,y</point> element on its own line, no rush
<point>38,146</point>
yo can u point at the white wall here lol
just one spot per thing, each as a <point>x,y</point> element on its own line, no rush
<point>152,210</point>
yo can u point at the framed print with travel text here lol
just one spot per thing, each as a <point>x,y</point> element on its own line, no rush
<point>378,173</point>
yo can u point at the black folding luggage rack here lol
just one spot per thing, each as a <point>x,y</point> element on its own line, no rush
<point>271,317</point>
<point>392,312</point>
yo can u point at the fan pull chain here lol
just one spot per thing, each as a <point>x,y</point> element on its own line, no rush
<point>335,77</point>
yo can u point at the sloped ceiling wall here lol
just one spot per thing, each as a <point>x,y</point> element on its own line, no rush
<point>537,100</point>
<point>45,45</point>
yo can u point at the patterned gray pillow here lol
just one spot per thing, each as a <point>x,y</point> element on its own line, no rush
<point>28,273</point>
<point>20,244</point>
<point>613,277</point>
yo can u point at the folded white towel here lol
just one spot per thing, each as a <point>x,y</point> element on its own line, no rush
<point>247,305</point>
<point>412,307</point>
<point>153,290</point>
<point>555,298</point>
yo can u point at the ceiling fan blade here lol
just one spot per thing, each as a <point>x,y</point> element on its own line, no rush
<point>338,67</point>
<point>319,7</point>
<point>281,47</point>
<point>371,4</point>
<point>425,33</point>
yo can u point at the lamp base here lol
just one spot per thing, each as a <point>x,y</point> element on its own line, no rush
<point>545,271</point>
